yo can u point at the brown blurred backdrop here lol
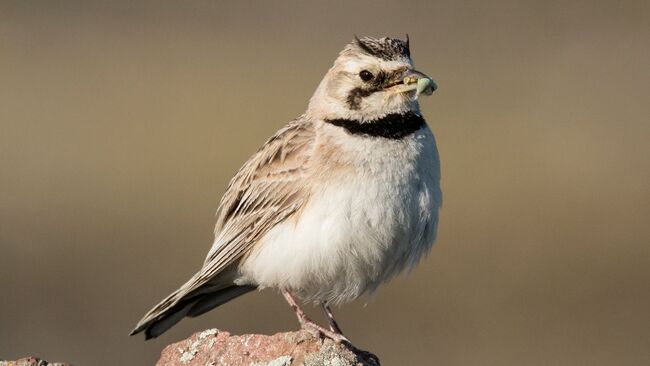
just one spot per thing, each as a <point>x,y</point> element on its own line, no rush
<point>121,123</point>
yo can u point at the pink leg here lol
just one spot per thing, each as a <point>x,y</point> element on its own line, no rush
<point>308,324</point>
<point>334,326</point>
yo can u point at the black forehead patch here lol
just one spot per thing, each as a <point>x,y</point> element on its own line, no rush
<point>389,49</point>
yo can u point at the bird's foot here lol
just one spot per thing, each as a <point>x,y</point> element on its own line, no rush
<point>309,325</point>
<point>321,332</point>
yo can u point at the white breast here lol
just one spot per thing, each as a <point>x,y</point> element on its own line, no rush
<point>361,226</point>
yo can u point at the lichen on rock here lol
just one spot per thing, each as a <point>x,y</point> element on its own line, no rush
<point>215,348</point>
<point>31,361</point>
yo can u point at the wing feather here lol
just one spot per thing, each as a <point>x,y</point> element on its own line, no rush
<point>269,188</point>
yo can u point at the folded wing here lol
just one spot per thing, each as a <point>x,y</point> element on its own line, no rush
<point>270,187</point>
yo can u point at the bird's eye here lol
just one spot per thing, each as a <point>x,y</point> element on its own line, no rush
<point>366,75</point>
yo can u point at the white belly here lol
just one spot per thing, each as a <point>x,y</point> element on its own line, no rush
<point>360,228</point>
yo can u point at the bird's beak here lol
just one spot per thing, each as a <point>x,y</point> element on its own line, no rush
<point>416,80</point>
<point>413,80</point>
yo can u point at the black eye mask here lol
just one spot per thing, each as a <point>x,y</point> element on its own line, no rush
<point>379,82</point>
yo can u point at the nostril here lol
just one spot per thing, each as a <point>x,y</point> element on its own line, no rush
<point>410,80</point>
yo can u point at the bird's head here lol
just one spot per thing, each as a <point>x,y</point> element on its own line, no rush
<point>372,77</point>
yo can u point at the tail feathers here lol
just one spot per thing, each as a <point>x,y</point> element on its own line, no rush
<point>178,305</point>
<point>211,301</point>
<point>161,325</point>
<point>165,306</point>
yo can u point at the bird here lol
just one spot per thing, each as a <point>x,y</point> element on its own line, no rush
<point>336,203</point>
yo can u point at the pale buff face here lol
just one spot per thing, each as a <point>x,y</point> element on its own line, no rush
<point>364,87</point>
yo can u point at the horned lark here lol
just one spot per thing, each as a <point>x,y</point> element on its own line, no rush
<point>337,202</point>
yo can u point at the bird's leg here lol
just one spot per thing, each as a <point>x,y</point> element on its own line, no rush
<point>302,317</point>
<point>334,326</point>
<point>308,324</point>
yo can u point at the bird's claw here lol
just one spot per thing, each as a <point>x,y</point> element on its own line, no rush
<point>320,332</point>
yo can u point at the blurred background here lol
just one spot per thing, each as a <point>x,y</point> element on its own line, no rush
<point>122,122</point>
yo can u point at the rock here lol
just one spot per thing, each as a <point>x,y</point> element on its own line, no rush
<point>31,361</point>
<point>216,348</point>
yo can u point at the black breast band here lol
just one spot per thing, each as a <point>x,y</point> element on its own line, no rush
<point>392,126</point>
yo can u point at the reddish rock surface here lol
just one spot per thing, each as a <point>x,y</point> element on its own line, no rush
<point>215,348</point>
